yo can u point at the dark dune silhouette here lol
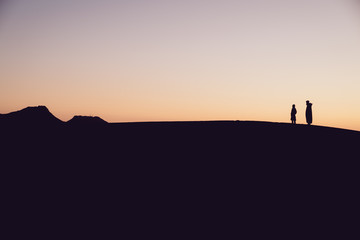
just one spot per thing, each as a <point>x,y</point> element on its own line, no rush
<point>192,173</point>
<point>179,140</point>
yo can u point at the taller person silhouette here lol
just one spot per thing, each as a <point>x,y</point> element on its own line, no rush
<point>308,112</point>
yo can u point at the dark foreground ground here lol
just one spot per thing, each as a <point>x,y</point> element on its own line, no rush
<point>181,179</point>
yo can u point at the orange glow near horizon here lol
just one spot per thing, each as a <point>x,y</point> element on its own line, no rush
<point>156,60</point>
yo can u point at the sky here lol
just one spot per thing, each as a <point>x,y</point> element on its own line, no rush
<point>168,60</point>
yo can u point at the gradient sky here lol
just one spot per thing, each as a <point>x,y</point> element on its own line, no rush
<point>160,60</point>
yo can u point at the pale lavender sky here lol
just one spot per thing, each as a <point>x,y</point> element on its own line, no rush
<point>183,60</point>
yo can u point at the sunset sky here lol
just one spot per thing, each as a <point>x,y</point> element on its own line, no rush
<point>170,60</point>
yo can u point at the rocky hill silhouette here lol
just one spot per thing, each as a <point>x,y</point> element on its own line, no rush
<point>39,115</point>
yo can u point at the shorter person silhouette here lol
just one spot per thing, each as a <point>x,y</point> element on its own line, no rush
<point>293,114</point>
<point>308,112</point>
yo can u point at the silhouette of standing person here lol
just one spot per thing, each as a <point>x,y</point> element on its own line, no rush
<point>308,112</point>
<point>293,114</point>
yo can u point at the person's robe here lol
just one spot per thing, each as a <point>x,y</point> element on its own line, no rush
<point>309,113</point>
<point>293,114</point>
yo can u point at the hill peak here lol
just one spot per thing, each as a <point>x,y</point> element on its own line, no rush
<point>78,119</point>
<point>40,108</point>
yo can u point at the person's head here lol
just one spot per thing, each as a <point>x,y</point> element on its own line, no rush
<point>307,102</point>
<point>293,105</point>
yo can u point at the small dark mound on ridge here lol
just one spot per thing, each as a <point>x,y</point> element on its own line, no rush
<point>86,120</point>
